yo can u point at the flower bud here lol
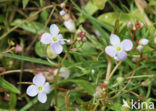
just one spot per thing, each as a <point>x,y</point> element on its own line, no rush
<point>50,53</point>
<point>51,70</point>
<point>135,59</point>
<point>120,79</point>
<point>18,48</point>
<point>66,17</point>
<point>138,25</point>
<point>143,41</point>
<point>62,5</point>
<point>103,86</point>
<point>140,47</point>
<point>64,72</point>
<point>42,73</point>
<point>95,95</point>
<point>2,69</point>
<point>155,40</point>
<point>62,13</point>
<point>130,25</point>
<point>93,71</point>
<point>70,25</point>
<point>145,83</point>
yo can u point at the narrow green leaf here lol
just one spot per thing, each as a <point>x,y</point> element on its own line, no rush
<point>29,59</point>
<point>25,2</point>
<point>13,101</point>
<point>88,87</point>
<point>6,85</point>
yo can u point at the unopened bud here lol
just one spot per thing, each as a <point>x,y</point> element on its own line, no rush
<point>68,40</point>
<point>42,73</point>
<point>155,40</point>
<point>62,13</point>
<point>145,83</point>
<point>2,69</point>
<point>95,95</point>
<point>103,86</point>
<point>143,41</point>
<point>140,47</point>
<point>120,79</point>
<point>50,53</point>
<point>70,25</point>
<point>66,17</point>
<point>135,59</point>
<point>130,25</point>
<point>51,70</point>
<point>138,25</point>
<point>62,5</point>
<point>18,48</point>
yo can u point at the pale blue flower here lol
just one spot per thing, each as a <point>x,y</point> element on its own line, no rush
<point>54,39</point>
<point>39,87</point>
<point>117,49</point>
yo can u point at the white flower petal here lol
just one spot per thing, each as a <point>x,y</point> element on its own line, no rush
<point>46,38</point>
<point>57,48</point>
<point>114,40</point>
<point>143,42</point>
<point>111,51</point>
<point>39,80</point>
<point>32,90</point>
<point>127,45</point>
<point>46,87</point>
<point>54,30</point>
<point>42,97</point>
<point>121,56</point>
<point>61,39</point>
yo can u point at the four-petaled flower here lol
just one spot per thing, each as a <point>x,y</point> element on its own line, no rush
<point>54,39</point>
<point>39,87</point>
<point>118,49</point>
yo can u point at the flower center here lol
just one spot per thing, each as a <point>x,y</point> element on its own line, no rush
<point>118,49</point>
<point>40,88</point>
<point>55,39</point>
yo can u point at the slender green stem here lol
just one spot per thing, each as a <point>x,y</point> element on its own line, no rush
<point>58,71</point>
<point>108,68</point>
<point>113,71</point>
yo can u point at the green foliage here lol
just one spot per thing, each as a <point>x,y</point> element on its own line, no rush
<point>25,3</point>
<point>8,86</point>
<point>86,61</point>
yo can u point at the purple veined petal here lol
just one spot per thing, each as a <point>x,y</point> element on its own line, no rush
<point>42,97</point>
<point>32,90</point>
<point>126,45</point>
<point>61,41</point>
<point>114,40</point>
<point>46,87</point>
<point>56,48</point>
<point>111,51</point>
<point>121,56</point>
<point>46,38</point>
<point>39,80</point>
<point>54,30</point>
